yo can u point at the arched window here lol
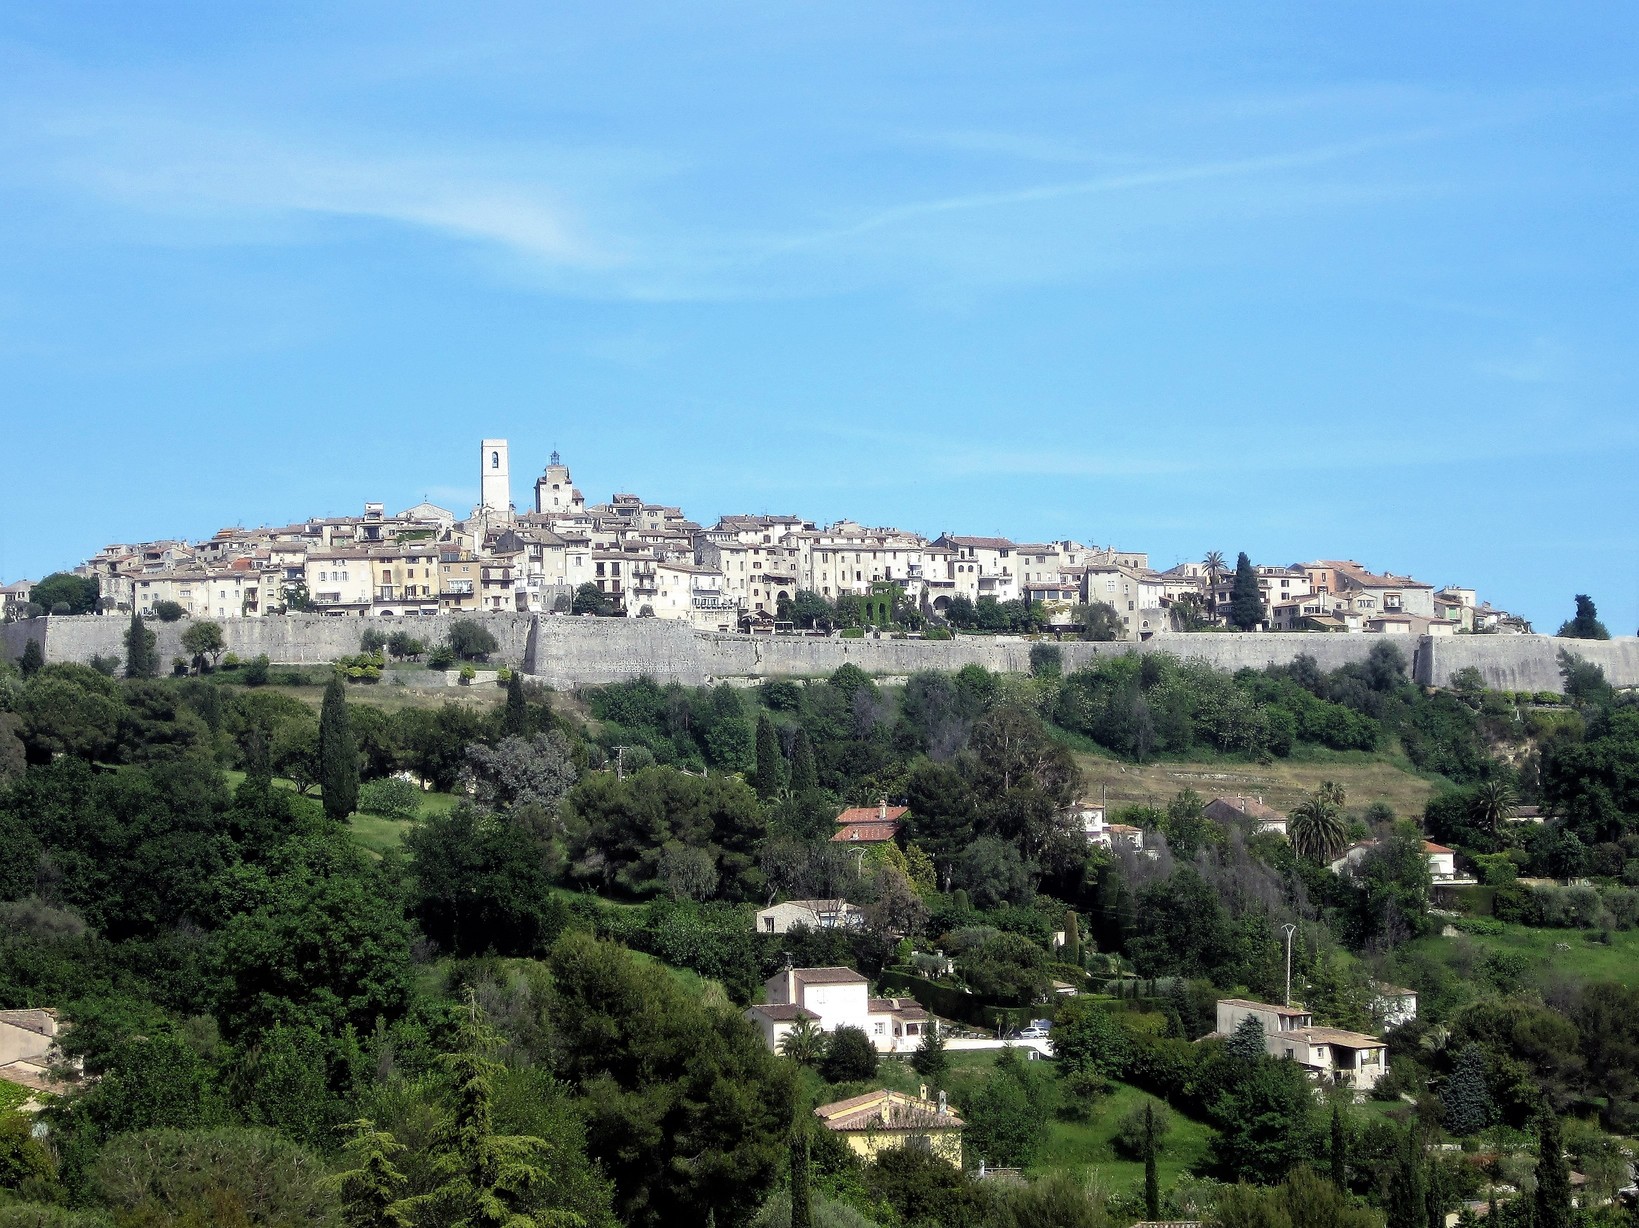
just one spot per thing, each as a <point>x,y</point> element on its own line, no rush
<point>494,460</point>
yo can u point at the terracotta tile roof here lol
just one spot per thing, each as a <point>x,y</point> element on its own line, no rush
<point>783,1012</point>
<point>1430,847</point>
<point>866,833</point>
<point>887,1110</point>
<point>827,976</point>
<point>873,814</point>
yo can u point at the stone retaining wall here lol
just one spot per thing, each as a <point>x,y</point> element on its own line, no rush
<point>570,652</point>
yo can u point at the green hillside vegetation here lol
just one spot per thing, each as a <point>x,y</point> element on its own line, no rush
<point>521,986</point>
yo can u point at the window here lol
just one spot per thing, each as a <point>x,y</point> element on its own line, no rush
<point>494,460</point>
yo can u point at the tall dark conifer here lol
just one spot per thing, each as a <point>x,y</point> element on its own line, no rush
<point>1246,609</point>
<point>804,775</point>
<point>1551,1207</point>
<point>1152,1179</point>
<point>515,720</point>
<point>338,754</point>
<point>802,1215</point>
<point>1340,1151</point>
<point>140,659</point>
<point>770,763</point>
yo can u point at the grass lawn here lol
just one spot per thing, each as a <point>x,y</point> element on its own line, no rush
<point>1580,959</point>
<point>1281,784</point>
<point>375,832</point>
<point>390,698</point>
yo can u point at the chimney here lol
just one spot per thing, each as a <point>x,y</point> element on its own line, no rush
<point>922,1092</point>
<point>943,1107</point>
<point>882,810</point>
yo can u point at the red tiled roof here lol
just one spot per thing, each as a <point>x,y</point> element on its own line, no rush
<point>873,814</point>
<point>866,833</point>
<point>1430,847</point>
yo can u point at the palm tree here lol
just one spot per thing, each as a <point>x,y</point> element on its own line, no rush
<point>1316,827</point>
<point>1333,792</point>
<point>1215,566</point>
<point>1494,803</point>
<point>804,1044</point>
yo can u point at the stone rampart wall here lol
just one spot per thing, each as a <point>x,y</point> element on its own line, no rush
<point>571,652</point>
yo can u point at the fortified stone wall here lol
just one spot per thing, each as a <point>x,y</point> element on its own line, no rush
<point>572,652</point>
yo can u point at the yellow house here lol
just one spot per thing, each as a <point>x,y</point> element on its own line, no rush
<point>881,1120</point>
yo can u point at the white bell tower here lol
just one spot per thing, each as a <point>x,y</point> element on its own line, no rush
<point>494,482</point>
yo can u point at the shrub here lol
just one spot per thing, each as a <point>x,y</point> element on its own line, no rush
<point>853,633</point>
<point>850,1057</point>
<point>937,633</point>
<point>255,671</point>
<point>1129,1135</point>
<point>441,657</point>
<point>392,798</point>
<point>471,642</point>
<point>467,675</point>
<point>168,611</point>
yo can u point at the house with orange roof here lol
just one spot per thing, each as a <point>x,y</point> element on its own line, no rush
<point>869,824</point>
<point>881,1120</point>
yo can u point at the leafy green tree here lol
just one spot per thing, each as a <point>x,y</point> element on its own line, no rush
<point>78,593</point>
<point>1246,608</point>
<point>338,753</point>
<point>483,881</point>
<point>849,1057</point>
<point>1405,1196</point>
<point>1551,1203</point>
<point>371,1187</point>
<point>1007,1113</point>
<point>770,764</point>
<point>1584,626</point>
<point>140,659</point>
<point>1317,827</point>
<point>809,609</point>
<point>283,1085</point>
<point>1265,1121</point>
<point>1100,622</point>
<point>372,641</point>
<point>1088,1040</point>
<point>515,722</point>
<point>169,611</point>
<point>471,641</point>
<point>204,639</point>
<point>519,771</point>
<point>253,1178</point>
<point>590,599</point>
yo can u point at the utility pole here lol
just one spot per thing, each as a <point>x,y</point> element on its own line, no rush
<point>620,761</point>
<point>1290,930</point>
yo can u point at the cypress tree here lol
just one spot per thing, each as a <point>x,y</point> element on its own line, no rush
<point>801,1212</point>
<point>1466,1098</point>
<point>33,659</point>
<point>1152,1180</point>
<point>766,777</point>
<point>258,762</point>
<point>140,659</point>
<point>804,776</point>
<point>338,754</point>
<point>1339,1151</point>
<point>515,720</point>
<point>1552,1204</point>
<point>1072,937</point>
<point>1245,599</point>
<point>1405,1201</point>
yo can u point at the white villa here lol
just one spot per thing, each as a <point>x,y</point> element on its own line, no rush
<point>1349,1059</point>
<point>834,998</point>
<point>812,914</point>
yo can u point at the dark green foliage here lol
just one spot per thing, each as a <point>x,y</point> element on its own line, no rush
<point>1584,626</point>
<point>483,881</point>
<point>1100,622</point>
<point>338,754</point>
<point>1337,1153</point>
<point>515,722</point>
<point>471,641</point>
<point>141,661</point>
<point>1088,1040</point>
<point>590,599</point>
<point>1264,1116</point>
<point>1467,1100</point>
<point>685,1108</point>
<point>930,1059</point>
<point>1152,1183</point>
<point>169,611</point>
<point>1007,1113</point>
<point>1246,1044</point>
<point>1246,607</point>
<point>1551,1203</point>
<point>371,1187</point>
<point>801,1209</point>
<point>1046,660</point>
<point>253,1178</point>
<point>804,776</point>
<point>849,1056</point>
<point>1071,951</point>
<point>78,593</point>
<point>770,770</point>
<point>925,1191</point>
<point>32,659</point>
<point>201,640</point>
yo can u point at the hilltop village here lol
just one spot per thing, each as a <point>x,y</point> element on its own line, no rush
<point>750,573</point>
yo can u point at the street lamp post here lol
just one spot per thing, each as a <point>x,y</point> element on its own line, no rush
<point>1290,930</point>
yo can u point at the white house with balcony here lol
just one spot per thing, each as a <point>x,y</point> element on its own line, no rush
<point>1097,828</point>
<point>834,998</point>
<point>1349,1059</point>
<point>812,914</point>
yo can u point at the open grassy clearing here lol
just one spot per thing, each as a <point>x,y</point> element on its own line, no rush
<point>1550,955</point>
<point>375,832</point>
<point>392,698</point>
<point>1281,784</point>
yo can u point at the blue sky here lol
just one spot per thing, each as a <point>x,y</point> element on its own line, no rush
<point>1345,280</point>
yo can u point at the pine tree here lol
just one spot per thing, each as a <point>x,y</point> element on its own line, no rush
<point>1246,608</point>
<point>1072,938</point>
<point>33,659</point>
<point>1247,1041</point>
<point>804,776</point>
<point>801,1212</point>
<point>1405,1202</point>
<point>370,1188</point>
<point>1467,1099</point>
<point>766,777</point>
<point>1551,1207</point>
<point>930,1060</point>
<point>485,1178</point>
<point>1152,1180</point>
<point>338,754</point>
<point>1339,1151</point>
<point>1434,1195</point>
<point>515,720</point>
<point>140,659</point>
